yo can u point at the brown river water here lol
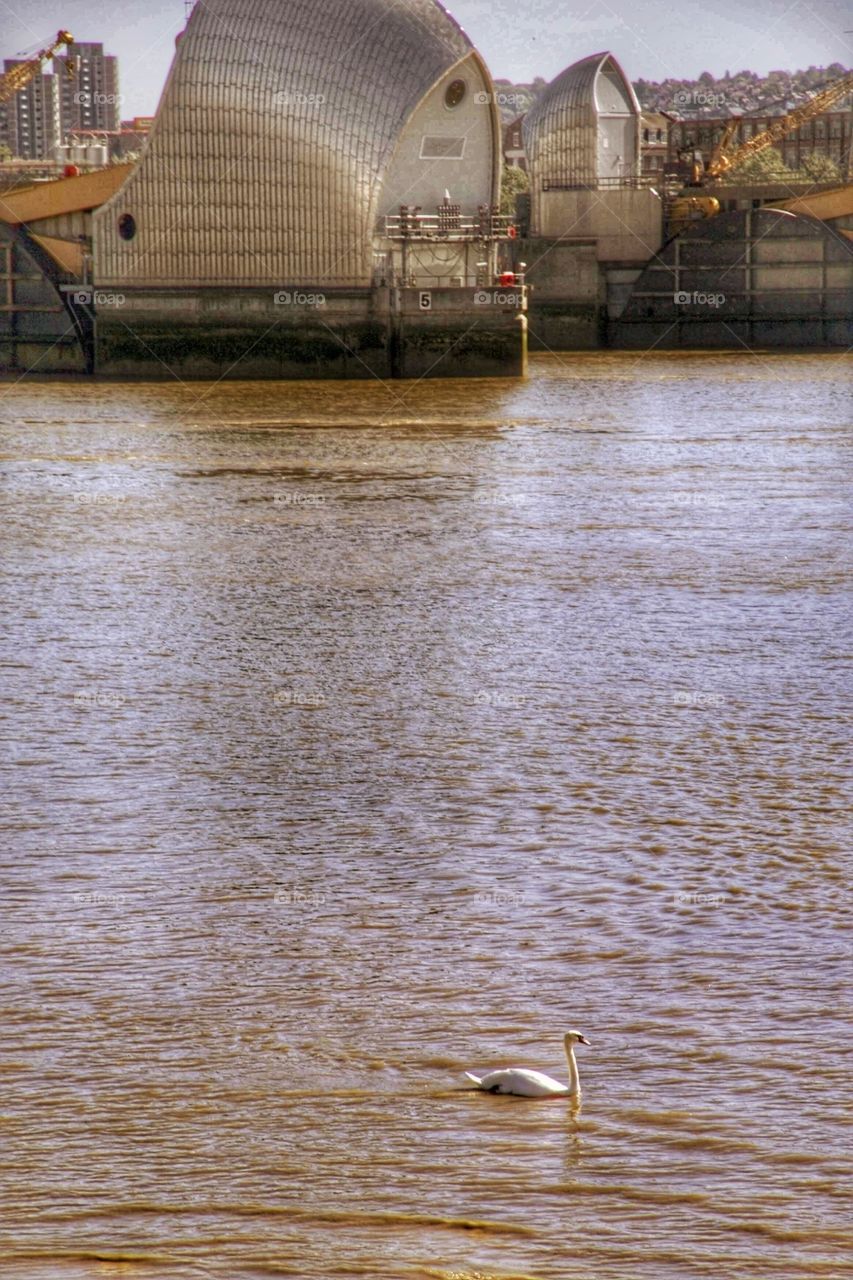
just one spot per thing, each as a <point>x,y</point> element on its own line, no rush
<point>358,736</point>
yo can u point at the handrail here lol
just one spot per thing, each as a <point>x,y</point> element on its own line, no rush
<point>447,225</point>
<point>635,180</point>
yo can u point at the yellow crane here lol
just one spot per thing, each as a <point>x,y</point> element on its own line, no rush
<point>684,209</point>
<point>19,76</point>
<point>722,158</point>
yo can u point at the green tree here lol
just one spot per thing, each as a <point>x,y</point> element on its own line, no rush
<point>819,167</point>
<point>761,166</point>
<point>513,182</point>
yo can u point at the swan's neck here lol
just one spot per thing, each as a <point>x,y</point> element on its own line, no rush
<point>574,1078</point>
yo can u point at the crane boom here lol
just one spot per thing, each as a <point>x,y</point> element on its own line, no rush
<point>19,76</point>
<point>722,159</point>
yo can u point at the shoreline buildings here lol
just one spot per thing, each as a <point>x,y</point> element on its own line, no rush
<point>320,199</point>
<point>80,94</point>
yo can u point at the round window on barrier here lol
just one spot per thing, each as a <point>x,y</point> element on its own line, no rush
<point>127,226</point>
<point>455,93</point>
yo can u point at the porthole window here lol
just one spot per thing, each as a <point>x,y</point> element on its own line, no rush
<point>127,226</point>
<point>455,93</point>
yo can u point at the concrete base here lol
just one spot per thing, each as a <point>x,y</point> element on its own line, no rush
<point>748,279</point>
<point>566,326</point>
<point>567,293</point>
<point>740,280</point>
<point>307,333</point>
<point>38,333</point>
<point>625,223</point>
<point>738,335</point>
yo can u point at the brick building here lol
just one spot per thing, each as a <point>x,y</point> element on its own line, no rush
<point>654,141</point>
<point>828,134</point>
<point>513,145</point>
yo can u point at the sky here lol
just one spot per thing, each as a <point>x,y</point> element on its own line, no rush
<point>519,39</point>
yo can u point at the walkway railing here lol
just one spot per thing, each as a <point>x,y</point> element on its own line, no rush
<point>447,223</point>
<point>641,180</point>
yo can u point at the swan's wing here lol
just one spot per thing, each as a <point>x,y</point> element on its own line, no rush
<point>522,1082</point>
<point>537,1080</point>
<point>474,1079</point>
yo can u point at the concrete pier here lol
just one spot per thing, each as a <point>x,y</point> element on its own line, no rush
<point>751,278</point>
<point>307,332</point>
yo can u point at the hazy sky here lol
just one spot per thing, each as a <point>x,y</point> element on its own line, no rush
<point>518,38</point>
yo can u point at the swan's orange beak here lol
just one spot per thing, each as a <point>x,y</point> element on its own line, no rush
<point>582,1040</point>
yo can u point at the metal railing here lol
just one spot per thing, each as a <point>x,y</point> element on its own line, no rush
<point>447,223</point>
<point>630,180</point>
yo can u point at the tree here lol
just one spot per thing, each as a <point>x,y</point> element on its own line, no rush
<point>761,166</point>
<point>513,183</point>
<point>819,167</point>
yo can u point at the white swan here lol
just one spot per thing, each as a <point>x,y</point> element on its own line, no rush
<point>533,1084</point>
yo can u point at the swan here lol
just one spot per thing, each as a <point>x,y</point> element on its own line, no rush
<point>533,1084</point>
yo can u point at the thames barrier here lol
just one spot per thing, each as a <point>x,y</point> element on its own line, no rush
<point>320,197</point>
